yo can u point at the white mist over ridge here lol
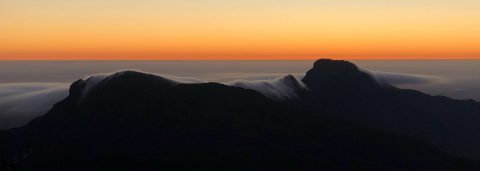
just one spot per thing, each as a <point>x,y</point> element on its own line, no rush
<point>22,102</point>
<point>93,80</point>
<point>278,89</point>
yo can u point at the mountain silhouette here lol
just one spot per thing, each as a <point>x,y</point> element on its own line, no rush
<point>340,89</point>
<point>138,121</point>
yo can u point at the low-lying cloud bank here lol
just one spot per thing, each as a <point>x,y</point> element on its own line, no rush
<point>22,102</point>
<point>405,79</point>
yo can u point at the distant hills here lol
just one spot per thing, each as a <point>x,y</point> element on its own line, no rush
<point>336,118</point>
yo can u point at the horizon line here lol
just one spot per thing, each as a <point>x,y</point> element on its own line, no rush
<point>259,60</point>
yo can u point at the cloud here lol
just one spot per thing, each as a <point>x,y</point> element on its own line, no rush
<point>21,102</point>
<point>398,79</point>
<point>277,89</point>
<point>226,77</point>
<point>95,79</point>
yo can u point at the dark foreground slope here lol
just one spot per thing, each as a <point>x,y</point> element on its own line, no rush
<point>340,89</point>
<point>135,121</point>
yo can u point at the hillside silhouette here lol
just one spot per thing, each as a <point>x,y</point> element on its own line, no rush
<point>344,120</point>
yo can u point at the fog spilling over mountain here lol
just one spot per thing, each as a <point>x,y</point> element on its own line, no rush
<point>458,79</point>
<point>281,89</point>
<point>21,102</point>
<point>337,117</point>
<point>15,111</point>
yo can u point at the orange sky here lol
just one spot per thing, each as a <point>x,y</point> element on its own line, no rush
<point>247,29</point>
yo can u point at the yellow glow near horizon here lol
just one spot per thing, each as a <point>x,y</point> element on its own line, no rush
<point>247,29</point>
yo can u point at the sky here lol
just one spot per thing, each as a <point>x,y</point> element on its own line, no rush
<point>239,29</point>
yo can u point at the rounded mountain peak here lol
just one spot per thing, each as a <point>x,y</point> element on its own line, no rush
<point>333,75</point>
<point>339,66</point>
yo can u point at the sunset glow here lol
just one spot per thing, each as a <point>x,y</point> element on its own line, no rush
<point>238,30</point>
